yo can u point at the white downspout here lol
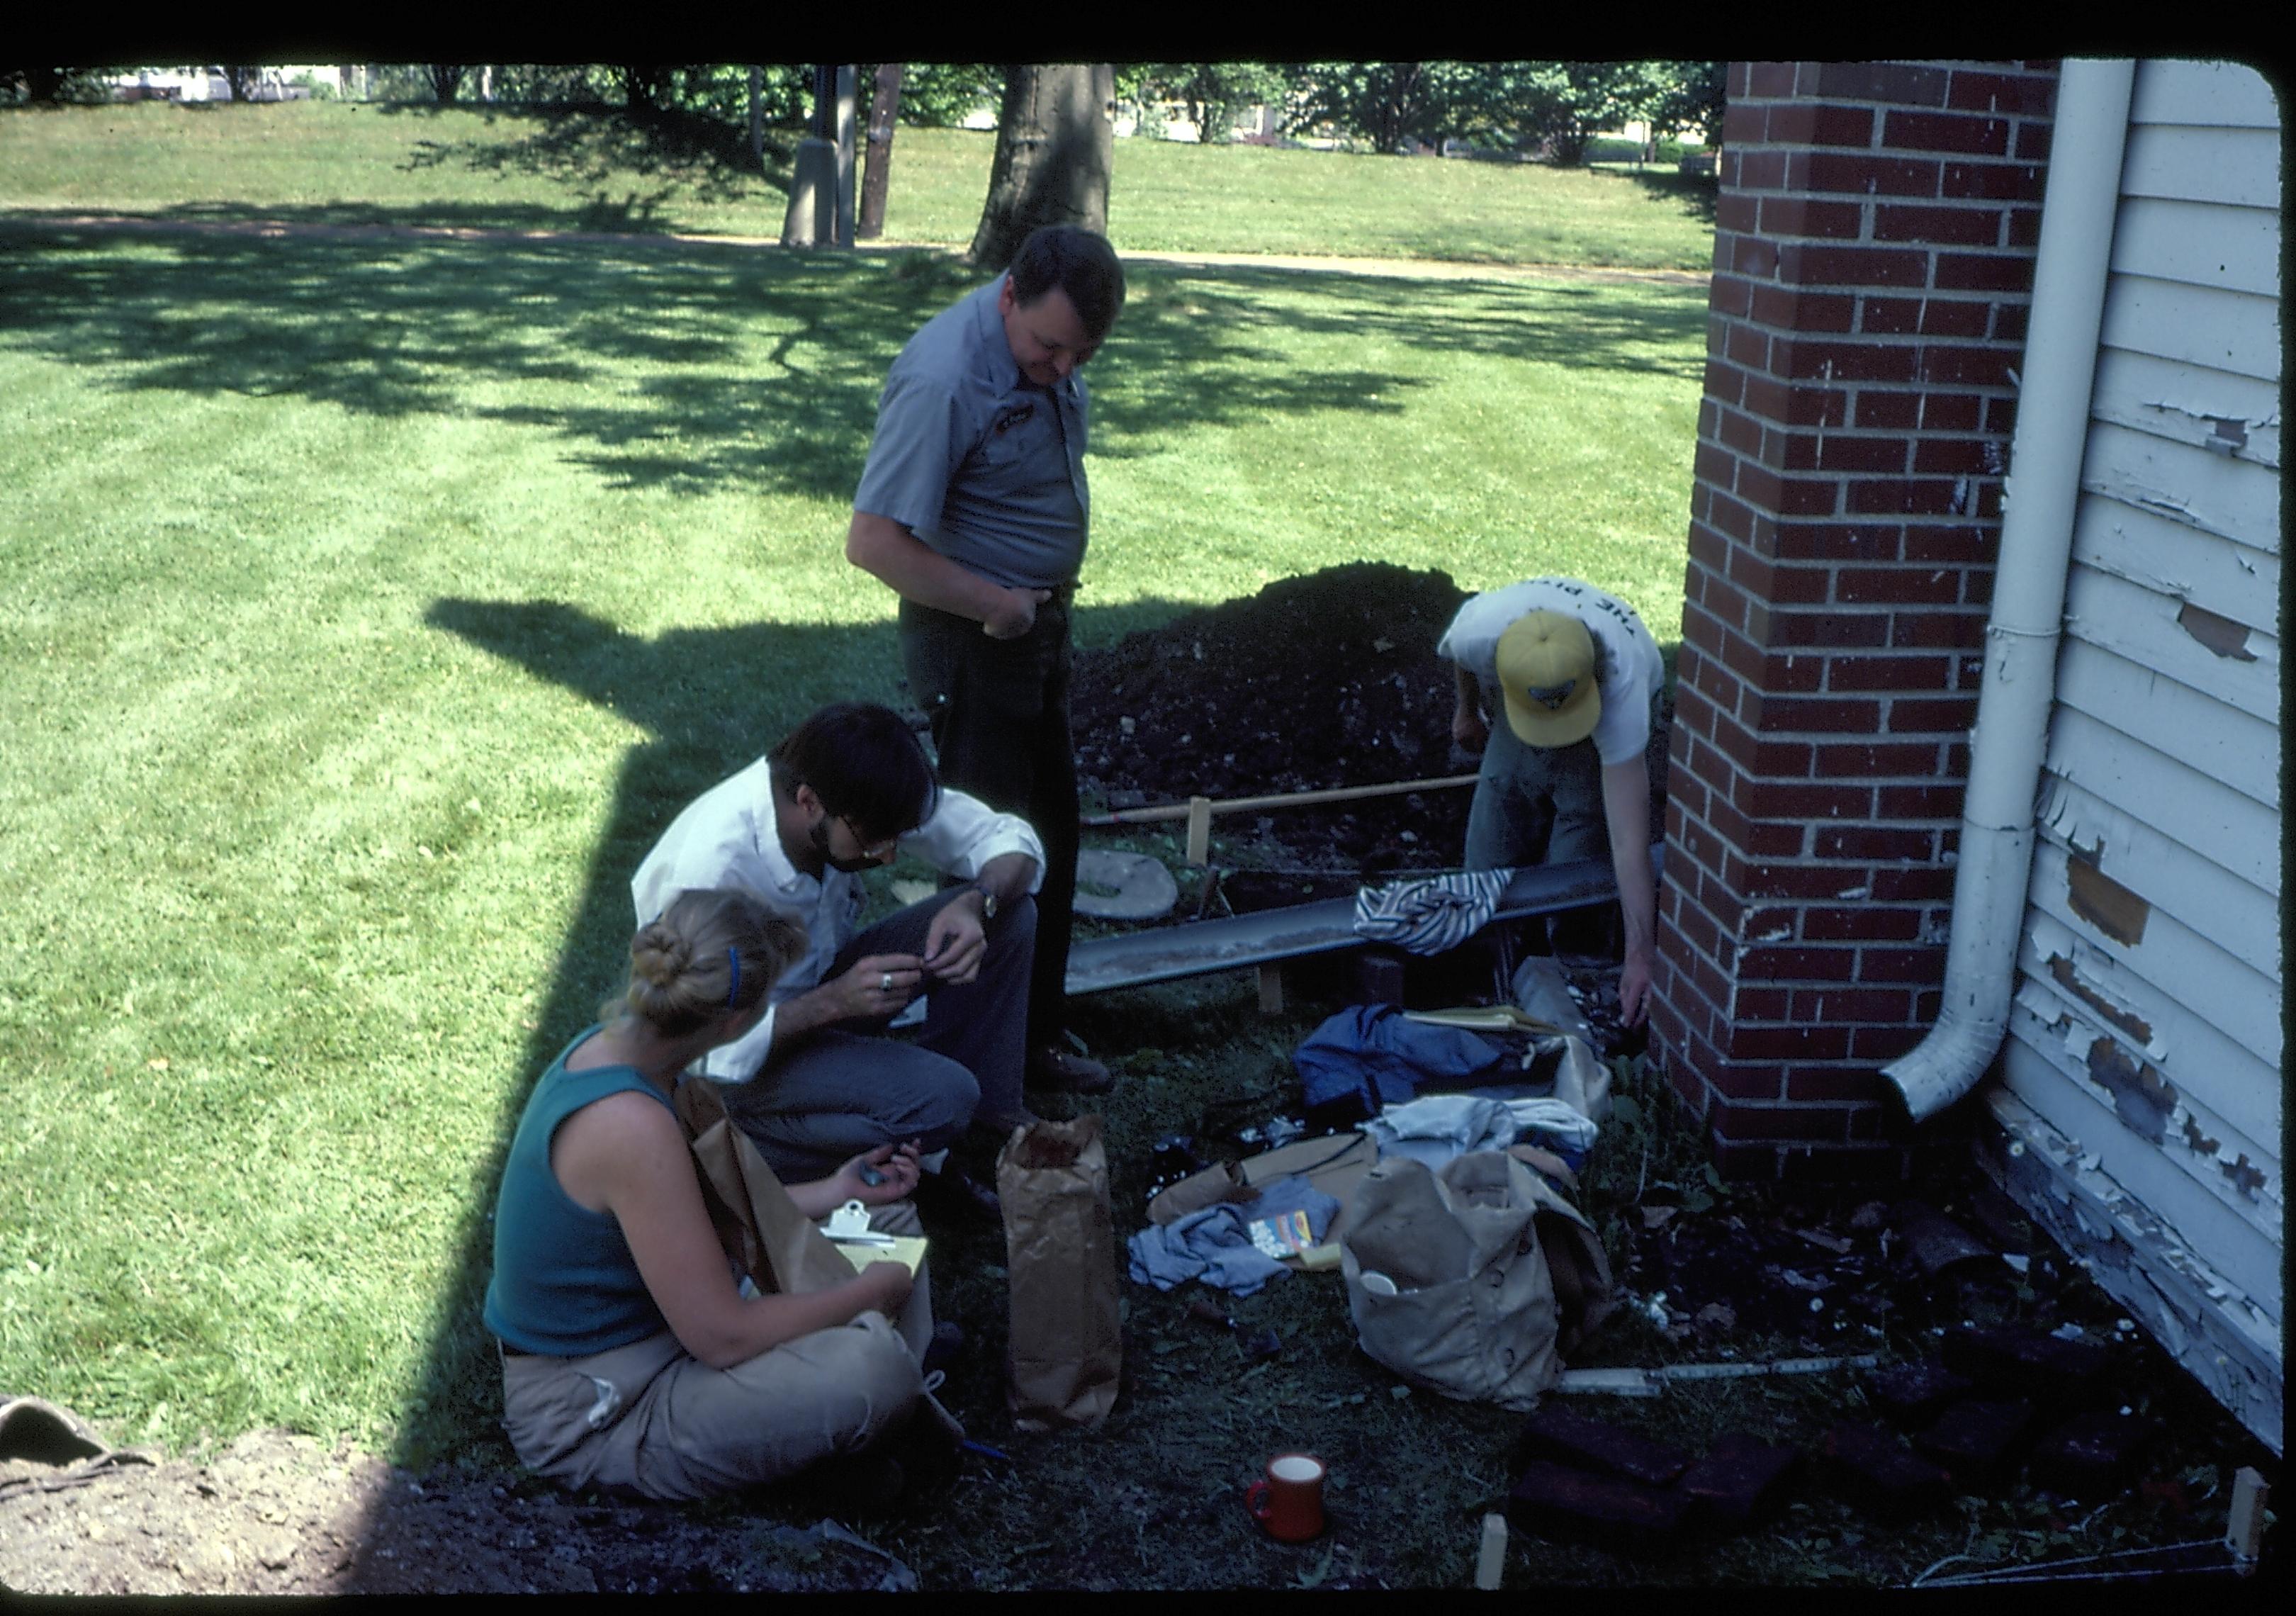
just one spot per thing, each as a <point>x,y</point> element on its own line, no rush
<point>2028,587</point>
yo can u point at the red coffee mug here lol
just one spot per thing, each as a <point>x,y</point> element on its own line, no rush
<point>1288,1503</point>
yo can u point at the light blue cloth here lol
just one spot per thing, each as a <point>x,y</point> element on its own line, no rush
<point>1215,1244</point>
<point>1434,1130</point>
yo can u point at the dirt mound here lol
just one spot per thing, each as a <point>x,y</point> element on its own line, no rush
<point>1316,682</point>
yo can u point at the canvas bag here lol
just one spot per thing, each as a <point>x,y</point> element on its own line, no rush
<point>1477,1313</point>
<point>1065,1353</point>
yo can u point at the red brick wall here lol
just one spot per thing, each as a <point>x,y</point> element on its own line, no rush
<point>1872,261</point>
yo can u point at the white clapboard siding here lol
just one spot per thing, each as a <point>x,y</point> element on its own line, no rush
<point>2134,622</point>
<point>2242,1178</point>
<point>2245,1257</point>
<point>2239,917</point>
<point>2234,1088</point>
<point>2239,415</point>
<point>2167,556</point>
<point>2219,495</point>
<point>2206,736</point>
<point>2199,324</point>
<point>2241,1001</point>
<point>2239,167</point>
<point>2200,244</point>
<point>2230,830</point>
<point>2178,91</point>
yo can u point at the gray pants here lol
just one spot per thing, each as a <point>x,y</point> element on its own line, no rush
<point>1541,804</point>
<point>828,1095</point>
<point>649,1419</point>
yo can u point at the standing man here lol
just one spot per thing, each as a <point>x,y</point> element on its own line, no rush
<point>972,508</point>
<point>1567,776</point>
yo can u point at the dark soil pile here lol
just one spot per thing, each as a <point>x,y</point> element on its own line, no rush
<point>1316,682</point>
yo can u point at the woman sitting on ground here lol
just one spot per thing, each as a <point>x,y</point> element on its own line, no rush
<point>629,1358</point>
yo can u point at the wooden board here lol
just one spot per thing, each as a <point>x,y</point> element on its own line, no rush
<point>2199,243</point>
<point>2227,331</point>
<point>2240,167</point>
<point>2245,1260</point>
<point>2171,558</point>
<point>2174,90</point>
<point>2214,740</point>
<point>2234,1088</point>
<point>2238,917</point>
<point>2188,404</point>
<point>2239,1001</point>
<point>2155,632</point>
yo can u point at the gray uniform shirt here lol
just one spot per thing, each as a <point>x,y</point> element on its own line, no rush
<point>977,461</point>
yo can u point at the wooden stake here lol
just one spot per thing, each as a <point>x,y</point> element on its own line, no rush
<point>1271,988</point>
<point>1199,830</point>
<point>1287,799</point>
<point>1490,1564</point>
<point>2244,1524</point>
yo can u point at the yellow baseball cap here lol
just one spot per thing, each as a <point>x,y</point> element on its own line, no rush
<point>1546,668</point>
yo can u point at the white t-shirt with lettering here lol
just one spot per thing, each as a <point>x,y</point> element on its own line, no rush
<point>1628,669</point>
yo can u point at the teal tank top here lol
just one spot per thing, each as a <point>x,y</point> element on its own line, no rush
<point>565,1284</point>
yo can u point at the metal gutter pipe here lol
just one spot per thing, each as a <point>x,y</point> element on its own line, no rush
<point>1996,859</point>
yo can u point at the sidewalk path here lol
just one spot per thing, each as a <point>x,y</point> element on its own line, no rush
<point>1423,269</point>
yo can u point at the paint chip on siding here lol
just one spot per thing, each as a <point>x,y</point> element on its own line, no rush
<point>2141,1097</point>
<point>2220,634</point>
<point>2104,903</point>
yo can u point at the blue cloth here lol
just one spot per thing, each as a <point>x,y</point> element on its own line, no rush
<point>1215,1245</point>
<point>1372,1055</point>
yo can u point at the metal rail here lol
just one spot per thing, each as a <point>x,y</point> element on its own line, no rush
<point>1135,959</point>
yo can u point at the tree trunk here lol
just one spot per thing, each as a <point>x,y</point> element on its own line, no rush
<point>1055,144</point>
<point>884,109</point>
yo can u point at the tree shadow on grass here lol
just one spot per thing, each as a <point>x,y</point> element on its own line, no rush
<point>704,368</point>
<point>1694,193</point>
<point>587,147</point>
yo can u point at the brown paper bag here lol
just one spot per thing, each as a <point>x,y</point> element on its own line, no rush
<point>1065,1354</point>
<point>760,1226</point>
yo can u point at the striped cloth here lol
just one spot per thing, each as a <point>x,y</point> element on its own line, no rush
<point>1429,916</point>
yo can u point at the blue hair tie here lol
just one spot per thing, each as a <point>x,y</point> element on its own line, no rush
<point>735,960</point>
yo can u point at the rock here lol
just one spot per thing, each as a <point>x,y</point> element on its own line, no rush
<point>1880,1475</point>
<point>1556,1501</point>
<point>1975,1440</point>
<point>1742,1480</point>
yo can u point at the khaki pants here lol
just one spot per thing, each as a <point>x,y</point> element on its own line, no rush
<point>649,1418</point>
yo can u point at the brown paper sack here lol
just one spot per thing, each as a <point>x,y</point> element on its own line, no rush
<point>759,1225</point>
<point>1066,1353</point>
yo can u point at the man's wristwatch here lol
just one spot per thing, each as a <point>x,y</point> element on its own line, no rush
<point>987,901</point>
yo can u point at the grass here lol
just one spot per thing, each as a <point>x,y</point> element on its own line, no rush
<point>365,612</point>
<point>346,162</point>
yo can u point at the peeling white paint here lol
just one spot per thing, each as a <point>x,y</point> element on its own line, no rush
<point>1854,893</point>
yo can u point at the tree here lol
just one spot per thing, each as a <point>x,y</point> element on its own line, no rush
<point>1384,103</point>
<point>240,81</point>
<point>446,81</point>
<point>1562,105</point>
<point>1055,144</point>
<point>884,113</point>
<point>941,95</point>
<point>51,86</point>
<point>1215,93</point>
<point>1692,98</point>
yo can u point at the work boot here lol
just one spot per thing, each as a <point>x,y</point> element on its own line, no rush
<point>1052,1068</point>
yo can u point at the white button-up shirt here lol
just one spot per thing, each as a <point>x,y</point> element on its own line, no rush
<point>726,838</point>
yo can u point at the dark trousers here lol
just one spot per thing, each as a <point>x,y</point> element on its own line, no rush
<point>999,710</point>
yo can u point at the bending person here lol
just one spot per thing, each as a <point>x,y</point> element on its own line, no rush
<point>1567,776</point>
<point>630,1360</point>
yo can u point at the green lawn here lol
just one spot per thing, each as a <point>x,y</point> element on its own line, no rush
<point>365,610</point>
<point>343,162</point>
<point>367,606</point>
